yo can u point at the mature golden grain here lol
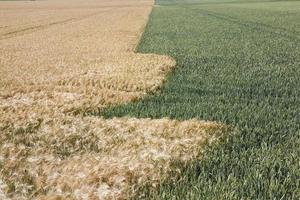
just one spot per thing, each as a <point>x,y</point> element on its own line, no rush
<point>59,59</point>
<point>96,158</point>
<point>75,55</point>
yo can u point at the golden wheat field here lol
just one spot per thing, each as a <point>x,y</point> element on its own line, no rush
<point>59,59</point>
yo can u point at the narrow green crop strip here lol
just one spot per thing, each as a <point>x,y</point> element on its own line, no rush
<point>237,63</point>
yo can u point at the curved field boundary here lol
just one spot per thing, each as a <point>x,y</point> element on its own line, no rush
<point>54,73</point>
<point>239,65</point>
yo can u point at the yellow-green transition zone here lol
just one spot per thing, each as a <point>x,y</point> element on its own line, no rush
<point>62,60</point>
<point>238,62</point>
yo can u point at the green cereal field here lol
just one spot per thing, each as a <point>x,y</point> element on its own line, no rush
<point>238,62</point>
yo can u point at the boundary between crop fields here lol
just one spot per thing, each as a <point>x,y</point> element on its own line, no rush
<point>258,140</point>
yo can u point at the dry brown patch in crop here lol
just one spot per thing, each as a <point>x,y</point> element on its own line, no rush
<point>59,59</point>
